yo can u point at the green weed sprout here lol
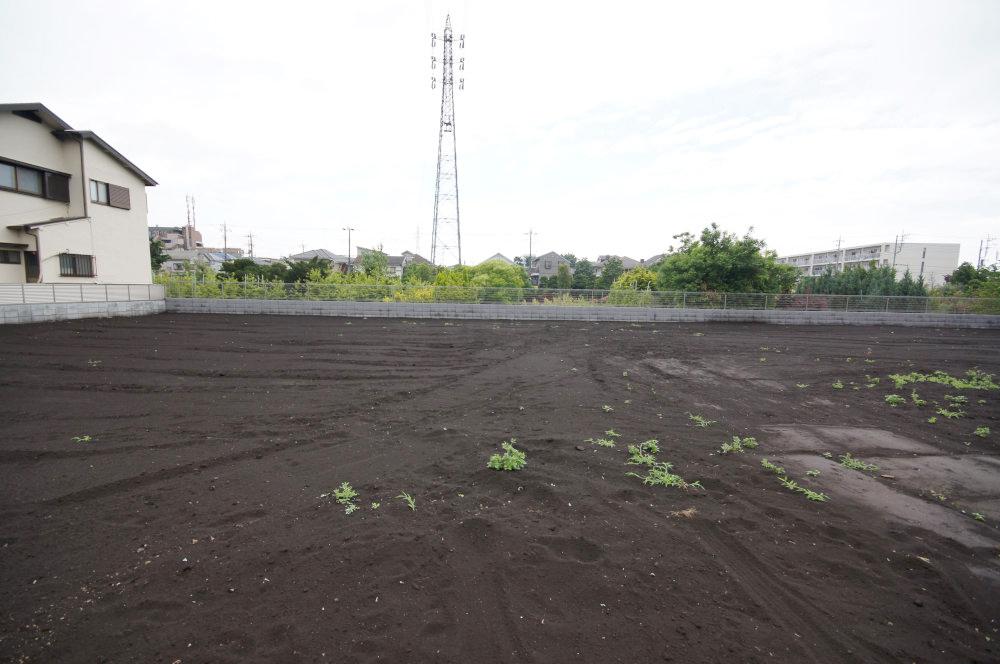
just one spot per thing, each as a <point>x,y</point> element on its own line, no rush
<point>408,499</point>
<point>894,400</point>
<point>643,454</point>
<point>611,433</point>
<point>950,414</point>
<point>82,439</point>
<point>376,504</point>
<point>767,465</point>
<point>801,386</point>
<point>658,474</point>
<point>932,420</point>
<point>956,399</point>
<point>982,432</point>
<point>792,485</point>
<point>607,409</point>
<point>847,461</point>
<point>603,442</point>
<point>511,459</point>
<point>739,445</point>
<point>700,421</point>
<point>838,385</point>
<point>978,517</point>
<point>345,495</point>
<point>917,401</point>
<point>974,380</point>
<point>812,473</point>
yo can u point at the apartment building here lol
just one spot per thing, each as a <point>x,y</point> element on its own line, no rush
<point>73,208</point>
<point>932,261</point>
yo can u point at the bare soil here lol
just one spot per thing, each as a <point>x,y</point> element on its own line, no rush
<point>191,527</point>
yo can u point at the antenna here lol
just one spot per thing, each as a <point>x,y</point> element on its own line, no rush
<point>446,244</point>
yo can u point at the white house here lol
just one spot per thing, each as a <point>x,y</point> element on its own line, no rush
<point>72,208</point>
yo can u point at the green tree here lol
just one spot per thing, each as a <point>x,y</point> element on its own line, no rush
<point>375,264</point>
<point>721,261</point>
<point>969,281</point>
<point>639,278</point>
<point>419,273</point>
<point>872,280</point>
<point>584,276</point>
<point>157,257</point>
<point>564,278</point>
<point>612,269</point>
<point>571,258</point>
<point>314,269</point>
<point>240,269</point>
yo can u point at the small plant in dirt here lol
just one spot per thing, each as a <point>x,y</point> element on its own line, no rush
<point>932,420</point>
<point>792,485</point>
<point>767,465</point>
<point>917,401</point>
<point>956,399</point>
<point>867,361</point>
<point>739,445</point>
<point>978,517</point>
<point>950,414</point>
<point>607,409</point>
<point>511,459</point>
<point>345,495</point>
<point>872,381</point>
<point>802,386</point>
<point>894,400</point>
<point>82,439</point>
<point>643,454</point>
<point>603,442</point>
<point>838,385</point>
<point>376,504</point>
<point>611,433</point>
<point>981,402</point>
<point>982,432</point>
<point>848,461</point>
<point>659,474</point>
<point>812,473</point>
<point>408,499</point>
<point>940,496</point>
<point>700,421</point>
<point>828,455</point>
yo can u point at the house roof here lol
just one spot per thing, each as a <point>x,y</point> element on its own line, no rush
<point>498,257</point>
<point>627,263</point>
<point>323,254</point>
<point>61,128</point>
<point>550,255</point>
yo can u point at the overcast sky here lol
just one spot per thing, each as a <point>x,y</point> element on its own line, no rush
<point>607,127</point>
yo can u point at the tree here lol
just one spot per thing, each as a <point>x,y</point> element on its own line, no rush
<point>721,261</point>
<point>975,282</point>
<point>872,280</point>
<point>240,269</point>
<point>612,269</point>
<point>419,273</point>
<point>584,276</point>
<point>571,258</point>
<point>375,264</point>
<point>491,274</point>
<point>157,257</point>
<point>564,278</point>
<point>639,278</point>
<point>302,271</point>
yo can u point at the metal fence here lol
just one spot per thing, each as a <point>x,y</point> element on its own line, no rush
<point>185,288</point>
<point>62,293</point>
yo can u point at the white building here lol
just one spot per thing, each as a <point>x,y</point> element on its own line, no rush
<point>73,209</point>
<point>932,261</point>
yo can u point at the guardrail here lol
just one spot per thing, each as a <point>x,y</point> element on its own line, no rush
<point>183,288</point>
<point>59,293</point>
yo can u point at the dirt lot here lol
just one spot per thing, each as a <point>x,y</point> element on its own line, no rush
<point>191,527</point>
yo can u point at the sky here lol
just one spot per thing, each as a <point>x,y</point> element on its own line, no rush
<point>603,127</point>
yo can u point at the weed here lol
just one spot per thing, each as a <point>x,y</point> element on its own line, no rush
<point>847,461</point>
<point>86,439</point>
<point>982,432</point>
<point>408,499</point>
<point>376,504</point>
<point>802,386</point>
<point>917,401</point>
<point>686,513</point>
<point>659,474</point>
<point>511,459</point>
<point>812,473</point>
<point>777,470</point>
<point>700,421</point>
<point>867,361</point>
<point>931,420</point>
<point>643,454</point>
<point>894,400</point>
<point>872,380</point>
<point>739,445</point>
<point>981,402</point>
<point>974,380</point>
<point>838,385</point>
<point>603,442</point>
<point>350,508</point>
<point>956,399</point>
<point>978,517</point>
<point>345,495</point>
<point>611,433</point>
<point>828,455</point>
<point>950,414</point>
<point>940,496</point>
<point>94,363</point>
<point>607,409</point>
<point>792,485</point>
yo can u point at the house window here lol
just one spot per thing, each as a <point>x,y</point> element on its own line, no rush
<point>10,257</point>
<point>26,179</point>
<point>76,265</point>
<point>548,265</point>
<point>103,193</point>
<point>98,192</point>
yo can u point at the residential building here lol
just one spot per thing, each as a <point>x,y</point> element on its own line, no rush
<point>176,237</point>
<point>212,258</point>
<point>498,257</point>
<point>73,208</point>
<point>627,263</point>
<point>932,261</point>
<point>652,260</point>
<point>396,263</point>
<point>338,262</point>
<point>546,266</point>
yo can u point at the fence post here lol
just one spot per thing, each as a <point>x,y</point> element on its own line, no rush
<point>887,304</point>
<point>107,298</point>
<point>24,298</point>
<point>149,292</point>
<point>684,300</point>
<point>723,300</point>
<point>53,293</point>
<point>807,301</point>
<point>81,292</point>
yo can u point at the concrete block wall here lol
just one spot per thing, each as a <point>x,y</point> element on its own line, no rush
<point>48,312</point>
<point>549,312</point>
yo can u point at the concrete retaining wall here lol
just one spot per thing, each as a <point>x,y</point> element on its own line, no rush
<point>44,313</point>
<point>542,312</point>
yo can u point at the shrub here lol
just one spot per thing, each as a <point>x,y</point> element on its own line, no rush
<point>511,459</point>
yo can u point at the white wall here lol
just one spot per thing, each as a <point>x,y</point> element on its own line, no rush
<point>937,261</point>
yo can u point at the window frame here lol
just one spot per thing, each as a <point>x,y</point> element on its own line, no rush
<point>63,272</point>
<point>7,252</point>
<point>43,175</point>
<point>95,186</point>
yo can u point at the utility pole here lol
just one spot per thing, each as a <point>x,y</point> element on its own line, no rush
<point>225,241</point>
<point>527,261</point>
<point>250,237</point>
<point>446,208</point>
<point>348,229</point>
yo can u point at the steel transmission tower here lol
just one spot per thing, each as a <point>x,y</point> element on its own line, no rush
<point>446,235</point>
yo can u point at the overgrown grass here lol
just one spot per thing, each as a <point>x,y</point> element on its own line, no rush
<point>848,461</point>
<point>511,459</point>
<point>974,380</point>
